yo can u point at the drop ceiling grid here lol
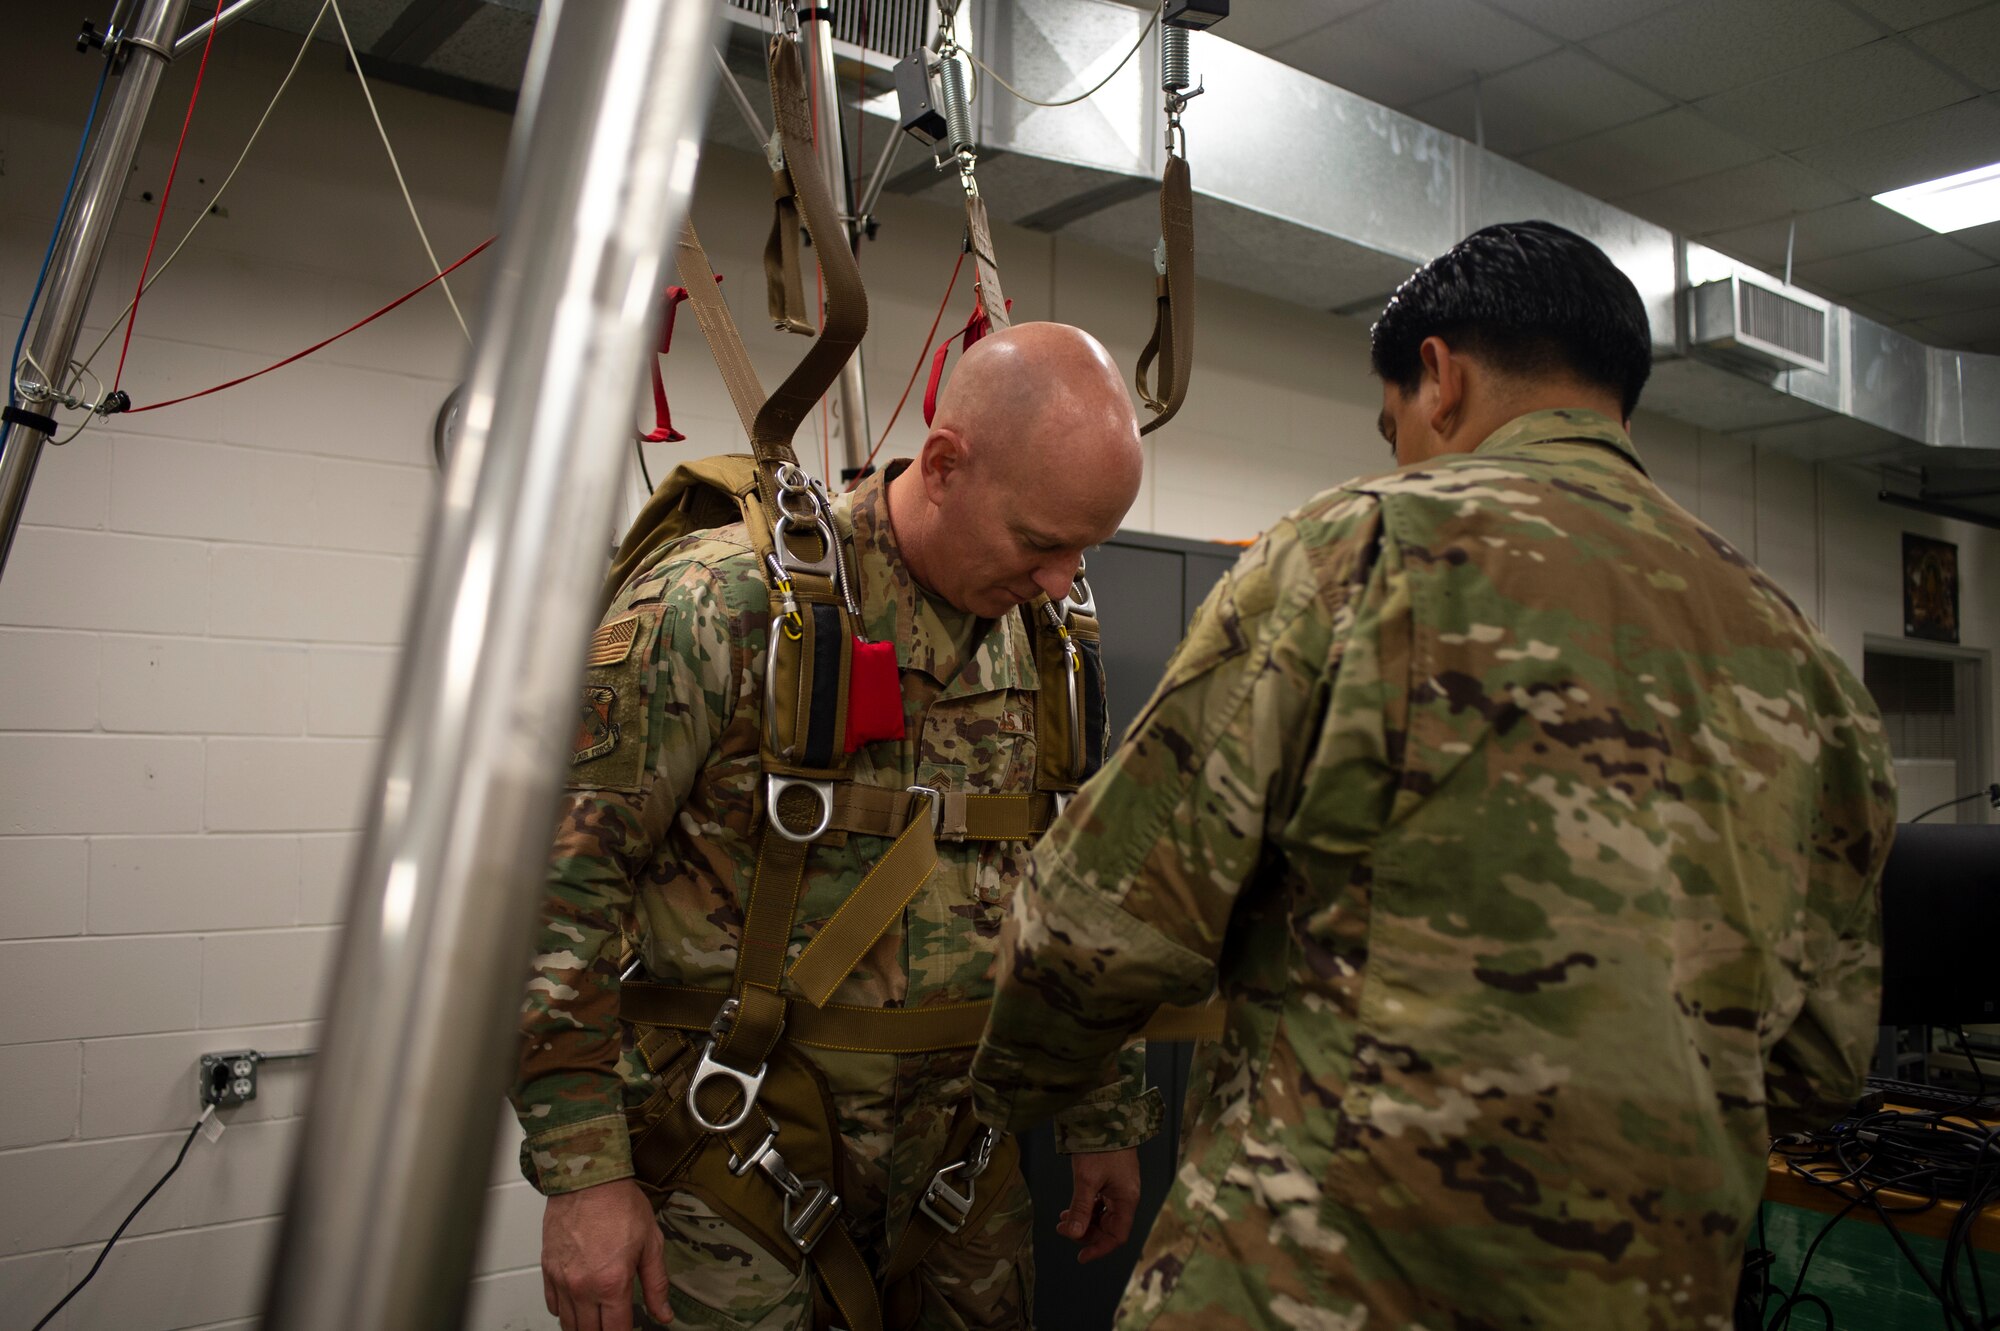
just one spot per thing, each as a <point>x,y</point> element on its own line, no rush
<point>1722,119</point>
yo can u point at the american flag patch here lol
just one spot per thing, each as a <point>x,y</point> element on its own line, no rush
<point>613,643</point>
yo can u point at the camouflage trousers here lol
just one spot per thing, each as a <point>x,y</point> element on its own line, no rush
<point>976,1280</point>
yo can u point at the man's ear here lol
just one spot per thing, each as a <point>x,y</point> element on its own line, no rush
<point>940,462</point>
<point>1448,369</point>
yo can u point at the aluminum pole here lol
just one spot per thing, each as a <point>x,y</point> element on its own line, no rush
<point>420,1038</point>
<point>222,18</point>
<point>850,403</point>
<point>80,243</point>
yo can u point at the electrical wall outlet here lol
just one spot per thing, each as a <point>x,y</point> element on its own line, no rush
<point>229,1079</point>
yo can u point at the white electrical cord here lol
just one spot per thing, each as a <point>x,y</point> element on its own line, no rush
<point>1092,91</point>
<point>436,267</point>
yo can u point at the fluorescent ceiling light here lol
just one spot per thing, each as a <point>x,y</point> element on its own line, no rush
<point>1951,203</point>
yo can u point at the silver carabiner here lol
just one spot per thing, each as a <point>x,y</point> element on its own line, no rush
<point>775,786</point>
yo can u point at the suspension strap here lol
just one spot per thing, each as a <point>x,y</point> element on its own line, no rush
<point>1172,343</point>
<point>846,303</point>
<point>993,302</point>
<point>784,276</point>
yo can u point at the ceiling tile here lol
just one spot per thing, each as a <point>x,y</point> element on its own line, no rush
<point>1870,271</point>
<point>1561,96</point>
<point>1969,43</point>
<point>1985,239</point>
<point>1667,148</point>
<point>1824,233</point>
<point>1261,27</point>
<point>1938,143</point>
<point>1574,20</point>
<point>1701,48</point>
<point>1758,191</point>
<point>1941,296</point>
<point>1453,112</point>
<point>1399,52</point>
<point>1956,330</point>
<point>1901,14</point>
<point>1857,89</point>
<point>1371,66</point>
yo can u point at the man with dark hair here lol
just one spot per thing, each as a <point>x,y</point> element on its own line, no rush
<point>1530,835</point>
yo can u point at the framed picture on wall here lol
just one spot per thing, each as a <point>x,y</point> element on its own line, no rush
<point>1930,588</point>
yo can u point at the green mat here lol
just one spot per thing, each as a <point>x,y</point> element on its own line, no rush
<point>1863,1275</point>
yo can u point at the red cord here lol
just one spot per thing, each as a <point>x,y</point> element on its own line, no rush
<point>155,406</point>
<point>166,194</point>
<point>915,370</point>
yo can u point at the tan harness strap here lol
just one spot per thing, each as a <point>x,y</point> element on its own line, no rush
<point>1173,325</point>
<point>867,913</point>
<point>879,1030</point>
<point>712,313</point>
<point>880,811</point>
<point>760,957</point>
<point>986,269</point>
<point>838,1026</point>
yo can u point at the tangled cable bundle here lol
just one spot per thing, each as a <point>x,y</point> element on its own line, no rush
<point>1896,1163</point>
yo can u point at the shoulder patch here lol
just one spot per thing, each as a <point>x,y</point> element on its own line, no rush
<point>597,731</point>
<point>612,642</point>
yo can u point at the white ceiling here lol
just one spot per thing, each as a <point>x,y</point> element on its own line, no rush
<point>1729,121</point>
<point>1739,123</point>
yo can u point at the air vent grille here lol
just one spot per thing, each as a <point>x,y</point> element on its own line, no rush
<point>1762,323</point>
<point>1781,321</point>
<point>887,27</point>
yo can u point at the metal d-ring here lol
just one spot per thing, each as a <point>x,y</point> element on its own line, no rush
<point>776,786</point>
<point>709,1069</point>
<point>1081,600</point>
<point>827,563</point>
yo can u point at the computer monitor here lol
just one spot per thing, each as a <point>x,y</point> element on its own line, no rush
<point>1941,926</point>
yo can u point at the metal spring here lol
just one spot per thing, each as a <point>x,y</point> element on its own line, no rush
<point>1174,75</point>
<point>957,111</point>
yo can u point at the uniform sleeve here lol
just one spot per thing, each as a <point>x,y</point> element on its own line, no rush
<point>647,723</point>
<point>1131,894</point>
<point>1125,1112</point>
<point>1817,1068</point>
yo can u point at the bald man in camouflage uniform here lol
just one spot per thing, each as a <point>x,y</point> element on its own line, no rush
<point>659,834</point>
<point>1533,837</point>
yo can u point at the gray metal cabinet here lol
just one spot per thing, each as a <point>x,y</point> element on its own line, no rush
<point>1147,588</point>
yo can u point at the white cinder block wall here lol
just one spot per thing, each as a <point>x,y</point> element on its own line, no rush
<point>198,625</point>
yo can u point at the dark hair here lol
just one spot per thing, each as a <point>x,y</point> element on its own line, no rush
<point>1529,299</point>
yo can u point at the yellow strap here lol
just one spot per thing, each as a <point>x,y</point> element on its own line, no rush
<point>866,915</point>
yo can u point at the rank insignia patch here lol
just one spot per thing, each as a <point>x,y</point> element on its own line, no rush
<point>596,732</point>
<point>613,643</point>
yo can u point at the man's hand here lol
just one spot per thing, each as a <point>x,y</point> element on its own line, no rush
<point>1102,1204</point>
<point>593,1242</point>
